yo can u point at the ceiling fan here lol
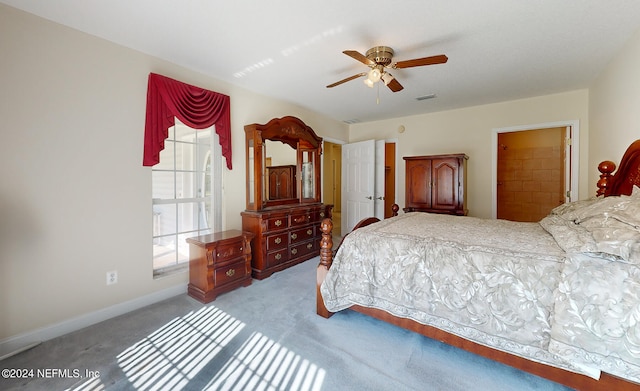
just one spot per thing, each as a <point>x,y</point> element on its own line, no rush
<point>379,59</point>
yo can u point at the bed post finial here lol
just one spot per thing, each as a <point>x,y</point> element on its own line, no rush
<point>605,168</point>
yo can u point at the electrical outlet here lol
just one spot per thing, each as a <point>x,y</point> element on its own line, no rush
<point>112,277</point>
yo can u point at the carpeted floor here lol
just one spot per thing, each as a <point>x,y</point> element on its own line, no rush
<point>263,337</point>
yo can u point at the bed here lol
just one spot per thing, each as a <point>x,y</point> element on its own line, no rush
<point>559,298</point>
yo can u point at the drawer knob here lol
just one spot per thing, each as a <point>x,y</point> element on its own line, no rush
<point>294,251</point>
<point>321,214</point>
<point>309,246</point>
<point>278,240</point>
<point>278,256</point>
<point>294,236</point>
<point>278,223</point>
<point>230,272</point>
<point>309,231</point>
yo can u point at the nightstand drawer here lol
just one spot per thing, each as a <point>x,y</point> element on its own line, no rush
<point>300,235</point>
<point>228,251</point>
<point>232,272</point>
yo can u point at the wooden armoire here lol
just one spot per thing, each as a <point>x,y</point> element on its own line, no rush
<point>436,184</point>
<point>283,208</point>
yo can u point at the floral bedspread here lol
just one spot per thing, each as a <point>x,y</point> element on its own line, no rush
<point>597,307</point>
<point>564,292</point>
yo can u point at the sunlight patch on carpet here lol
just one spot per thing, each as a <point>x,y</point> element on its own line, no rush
<point>211,350</point>
<point>262,364</point>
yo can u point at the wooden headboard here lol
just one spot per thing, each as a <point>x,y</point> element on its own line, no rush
<point>627,176</point>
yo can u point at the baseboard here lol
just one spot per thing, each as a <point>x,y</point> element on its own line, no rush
<point>16,344</point>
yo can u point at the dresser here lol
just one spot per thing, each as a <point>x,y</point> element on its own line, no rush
<point>284,207</point>
<point>436,184</point>
<point>284,236</point>
<point>218,263</point>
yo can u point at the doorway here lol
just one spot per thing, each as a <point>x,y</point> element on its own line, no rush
<point>531,167</point>
<point>368,172</point>
<point>332,181</point>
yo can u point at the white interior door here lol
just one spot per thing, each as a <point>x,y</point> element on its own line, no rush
<point>358,180</point>
<point>379,181</point>
<point>567,165</point>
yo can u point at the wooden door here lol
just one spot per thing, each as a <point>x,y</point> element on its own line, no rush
<point>389,178</point>
<point>444,174</point>
<point>530,173</point>
<point>418,180</point>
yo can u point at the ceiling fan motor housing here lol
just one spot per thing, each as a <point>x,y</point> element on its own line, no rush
<point>381,55</point>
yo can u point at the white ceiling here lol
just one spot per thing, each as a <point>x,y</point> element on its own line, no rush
<point>291,49</point>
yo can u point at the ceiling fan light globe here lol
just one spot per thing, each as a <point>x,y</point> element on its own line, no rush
<point>374,75</point>
<point>368,83</point>
<point>386,78</point>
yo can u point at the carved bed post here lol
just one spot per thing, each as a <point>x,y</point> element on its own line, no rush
<point>606,168</point>
<point>326,258</point>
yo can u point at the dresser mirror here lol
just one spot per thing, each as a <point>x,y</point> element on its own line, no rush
<point>280,171</point>
<point>283,159</point>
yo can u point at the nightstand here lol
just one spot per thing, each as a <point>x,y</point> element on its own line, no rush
<point>218,262</point>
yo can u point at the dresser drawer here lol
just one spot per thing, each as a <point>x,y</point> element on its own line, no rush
<point>226,252</point>
<point>276,223</point>
<point>302,234</point>
<point>302,249</point>
<point>320,215</point>
<point>277,257</point>
<point>230,273</point>
<point>275,242</point>
<point>300,219</point>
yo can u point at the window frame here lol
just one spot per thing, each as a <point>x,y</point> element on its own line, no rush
<point>214,198</point>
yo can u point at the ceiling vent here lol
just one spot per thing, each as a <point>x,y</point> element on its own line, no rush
<point>425,97</point>
<point>351,121</point>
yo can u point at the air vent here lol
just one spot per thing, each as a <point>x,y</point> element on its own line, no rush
<point>351,121</point>
<point>425,97</point>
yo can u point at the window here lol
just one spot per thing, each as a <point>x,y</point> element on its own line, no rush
<point>186,194</point>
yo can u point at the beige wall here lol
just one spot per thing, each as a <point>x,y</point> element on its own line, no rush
<point>470,131</point>
<point>614,108</point>
<point>75,201</point>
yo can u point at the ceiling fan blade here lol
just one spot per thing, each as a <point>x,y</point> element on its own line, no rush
<point>394,85</point>
<point>418,62</point>
<point>358,56</point>
<point>347,79</point>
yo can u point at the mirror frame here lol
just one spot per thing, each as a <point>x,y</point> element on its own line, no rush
<point>289,130</point>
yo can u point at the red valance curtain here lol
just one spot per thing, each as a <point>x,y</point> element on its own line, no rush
<point>194,106</point>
